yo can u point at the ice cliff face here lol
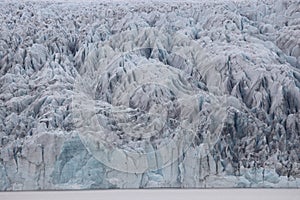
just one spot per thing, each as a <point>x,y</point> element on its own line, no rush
<point>157,94</point>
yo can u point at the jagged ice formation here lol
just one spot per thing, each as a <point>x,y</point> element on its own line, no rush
<point>149,94</point>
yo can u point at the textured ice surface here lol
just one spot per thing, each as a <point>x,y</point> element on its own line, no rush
<point>129,94</point>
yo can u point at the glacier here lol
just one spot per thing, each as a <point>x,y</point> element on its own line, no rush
<point>149,94</point>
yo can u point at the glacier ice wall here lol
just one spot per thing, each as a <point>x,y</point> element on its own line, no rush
<point>149,94</point>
